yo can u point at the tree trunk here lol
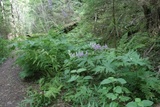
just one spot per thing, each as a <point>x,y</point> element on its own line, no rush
<point>152,16</point>
<point>2,11</point>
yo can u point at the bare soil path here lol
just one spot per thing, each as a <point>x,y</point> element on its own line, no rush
<point>12,88</point>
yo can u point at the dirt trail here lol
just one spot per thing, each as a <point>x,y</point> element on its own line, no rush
<point>12,88</point>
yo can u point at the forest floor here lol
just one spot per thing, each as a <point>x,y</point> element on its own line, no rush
<point>12,88</point>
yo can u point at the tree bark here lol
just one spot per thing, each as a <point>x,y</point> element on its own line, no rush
<point>152,16</point>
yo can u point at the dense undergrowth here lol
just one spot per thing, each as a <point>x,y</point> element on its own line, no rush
<point>101,53</point>
<point>84,73</point>
<point>4,50</point>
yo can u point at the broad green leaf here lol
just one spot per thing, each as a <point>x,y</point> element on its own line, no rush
<point>104,90</point>
<point>137,100</point>
<point>81,70</point>
<point>124,98</point>
<point>112,96</point>
<point>118,89</point>
<point>73,71</point>
<point>108,80</point>
<point>121,80</point>
<point>113,104</point>
<point>140,104</point>
<point>73,78</point>
<point>147,103</point>
<point>126,90</point>
<point>132,104</point>
<point>88,77</point>
<point>66,71</point>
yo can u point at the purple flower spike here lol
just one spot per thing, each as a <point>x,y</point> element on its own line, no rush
<point>79,54</point>
<point>98,46</point>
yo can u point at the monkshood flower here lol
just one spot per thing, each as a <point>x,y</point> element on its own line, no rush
<point>77,54</point>
<point>98,46</point>
<point>81,54</point>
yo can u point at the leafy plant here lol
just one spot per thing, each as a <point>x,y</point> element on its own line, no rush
<point>51,87</point>
<point>91,74</point>
<point>140,103</point>
<point>127,68</point>
<point>4,49</point>
<point>43,55</point>
<point>135,42</point>
<point>49,90</point>
<point>35,99</point>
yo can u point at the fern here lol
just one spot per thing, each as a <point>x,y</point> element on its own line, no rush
<point>138,41</point>
<point>41,55</point>
<point>52,91</point>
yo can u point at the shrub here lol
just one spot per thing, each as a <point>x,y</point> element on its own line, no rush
<point>88,74</point>
<point>35,99</point>
<point>43,55</point>
<point>4,49</point>
<point>108,77</point>
<point>49,90</point>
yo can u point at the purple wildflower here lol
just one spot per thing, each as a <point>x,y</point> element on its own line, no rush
<point>81,54</point>
<point>98,46</point>
<point>78,54</point>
